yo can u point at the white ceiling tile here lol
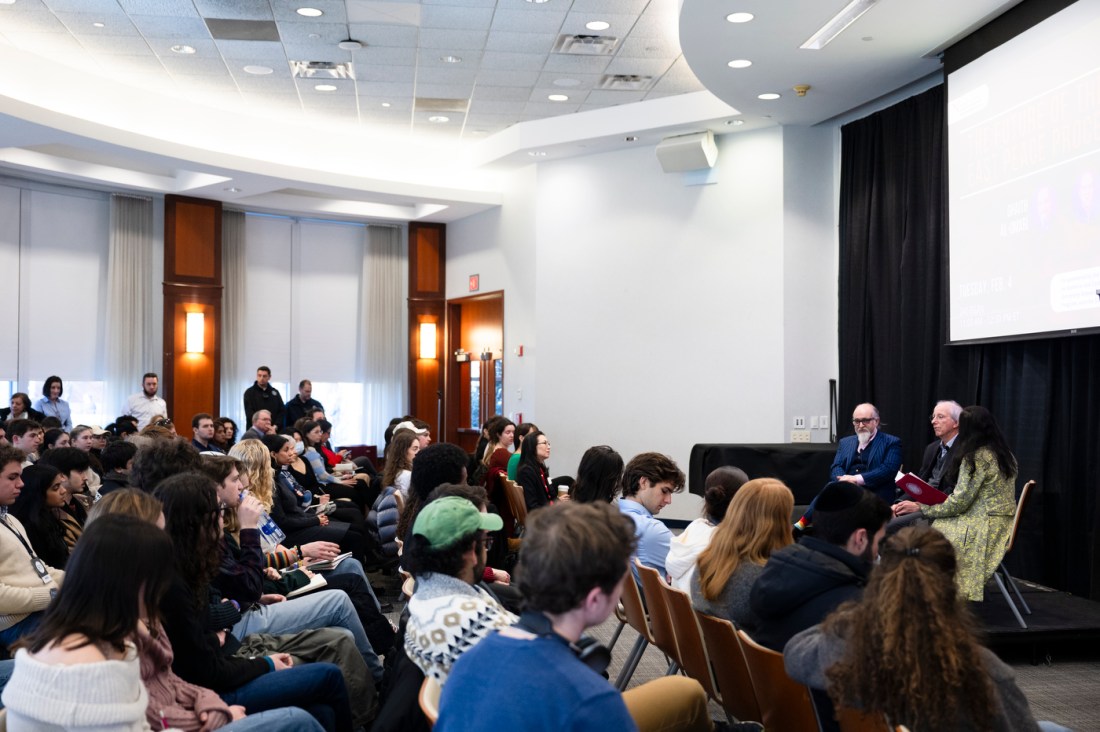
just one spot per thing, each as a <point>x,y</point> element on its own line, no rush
<point>81,24</point>
<point>234,9</point>
<point>487,107</point>
<point>253,52</point>
<point>520,61</point>
<point>446,75</point>
<point>82,6</point>
<point>170,27</point>
<point>525,21</point>
<point>384,91</point>
<point>452,40</point>
<point>334,10</point>
<point>462,3</point>
<point>641,66</point>
<point>433,57</point>
<point>374,34</point>
<point>388,56</point>
<point>158,7</point>
<point>502,93</point>
<point>204,84</point>
<point>33,22</point>
<point>490,120</point>
<point>373,105</point>
<point>520,42</point>
<point>656,25</point>
<point>457,18</point>
<point>117,45</point>
<point>60,46</point>
<point>550,109</point>
<point>625,7</point>
<point>604,98</point>
<point>395,13</point>
<point>317,52</point>
<point>648,47</point>
<point>294,32</point>
<point>443,91</point>
<point>396,74</point>
<point>266,84</point>
<point>203,48</point>
<point>621,25</point>
<point>177,65</point>
<point>385,116</point>
<point>578,64</point>
<point>547,79</point>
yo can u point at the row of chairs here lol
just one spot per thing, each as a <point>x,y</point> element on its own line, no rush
<point>747,680</point>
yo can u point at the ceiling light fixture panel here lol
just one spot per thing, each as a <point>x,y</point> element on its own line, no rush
<point>837,24</point>
<point>322,70</point>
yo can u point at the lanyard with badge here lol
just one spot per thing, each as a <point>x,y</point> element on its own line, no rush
<point>37,564</point>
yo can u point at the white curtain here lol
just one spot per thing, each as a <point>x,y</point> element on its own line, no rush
<point>233,300</point>
<point>130,318</point>
<point>383,348</point>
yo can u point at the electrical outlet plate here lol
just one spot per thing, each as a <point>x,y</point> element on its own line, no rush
<point>800,423</point>
<point>823,420</point>
<point>800,435</point>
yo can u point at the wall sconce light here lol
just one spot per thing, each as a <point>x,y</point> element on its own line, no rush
<point>196,332</point>
<point>427,340</point>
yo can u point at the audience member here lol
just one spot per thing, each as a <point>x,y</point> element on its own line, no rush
<point>599,475</point>
<point>977,517</point>
<point>73,465</point>
<point>38,507</point>
<point>20,409</point>
<point>649,480</point>
<point>399,462</point>
<point>522,430</point>
<point>932,674</point>
<point>262,395</point>
<point>118,461</point>
<point>300,405</point>
<point>55,437</point>
<point>261,426</point>
<point>26,435</point>
<point>202,429</point>
<point>435,465</point>
<point>225,433</point>
<point>533,475</point>
<point>146,405</point>
<point>757,523</point>
<point>804,582</point>
<point>27,584</point>
<point>945,425</point>
<point>501,433</point>
<point>718,490</point>
<point>52,405</point>
<point>160,460</point>
<point>448,612</point>
<point>418,427</point>
<point>571,573</point>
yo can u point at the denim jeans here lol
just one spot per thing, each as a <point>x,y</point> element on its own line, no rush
<point>318,688</point>
<point>10,635</point>
<point>287,719</point>
<point>317,610</point>
<point>354,566</point>
<point>7,667</point>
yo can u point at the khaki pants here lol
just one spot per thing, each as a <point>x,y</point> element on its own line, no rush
<point>668,704</point>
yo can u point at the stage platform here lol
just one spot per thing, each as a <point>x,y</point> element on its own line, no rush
<point>1057,619</point>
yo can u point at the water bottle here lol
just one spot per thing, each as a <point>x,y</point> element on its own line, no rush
<point>270,533</point>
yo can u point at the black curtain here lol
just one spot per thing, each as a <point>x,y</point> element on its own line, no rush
<point>892,333</point>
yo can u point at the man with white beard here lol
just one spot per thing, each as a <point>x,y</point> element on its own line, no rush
<point>869,458</point>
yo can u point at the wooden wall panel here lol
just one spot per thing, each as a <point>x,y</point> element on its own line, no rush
<point>191,382</point>
<point>427,292</point>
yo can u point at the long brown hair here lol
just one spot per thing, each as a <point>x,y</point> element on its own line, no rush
<point>395,457</point>
<point>911,651</point>
<point>757,522</point>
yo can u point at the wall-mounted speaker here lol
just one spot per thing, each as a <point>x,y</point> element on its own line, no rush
<point>687,152</point>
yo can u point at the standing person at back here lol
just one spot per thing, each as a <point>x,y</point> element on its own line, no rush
<point>146,405</point>
<point>649,480</point>
<point>262,395</point>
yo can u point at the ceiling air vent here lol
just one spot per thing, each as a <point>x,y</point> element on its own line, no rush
<point>432,104</point>
<point>586,45</point>
<point>625,82</point>
<point>321,70</point>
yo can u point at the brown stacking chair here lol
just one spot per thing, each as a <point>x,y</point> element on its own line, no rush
<point>689,640</point>
<point>517,504</point>
<point>730,670</point>
<point>660,621</point>
<point>429,698</point>
<point>1001,574</point>
<point>784,703</point>
<point>634,615</point>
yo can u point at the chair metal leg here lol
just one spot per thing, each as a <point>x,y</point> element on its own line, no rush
<point>673,669</point>
<point>1008,599</point>
<point>631,663</point>
<point>1015,588</point>
<point>615,637</point>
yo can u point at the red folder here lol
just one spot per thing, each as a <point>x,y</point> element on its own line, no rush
<point>918,490</point>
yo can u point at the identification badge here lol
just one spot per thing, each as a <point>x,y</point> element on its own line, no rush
<point>40,569</point>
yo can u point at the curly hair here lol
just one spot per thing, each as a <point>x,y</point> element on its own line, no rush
<point>256,461</point>
<point>927,674</point>
<point>757,522</point>
<point>191,519</point>
<point>436,464</point>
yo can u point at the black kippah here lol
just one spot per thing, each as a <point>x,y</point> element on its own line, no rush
<point>839,496</point>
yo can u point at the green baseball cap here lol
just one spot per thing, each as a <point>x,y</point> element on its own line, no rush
<point>446,520</point>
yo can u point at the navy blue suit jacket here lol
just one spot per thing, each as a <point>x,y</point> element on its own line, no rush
<point>880,463</point>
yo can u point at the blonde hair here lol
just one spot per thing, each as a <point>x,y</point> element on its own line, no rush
<point>255,461</point>
<point>757,522</point>
<point>128,501</point>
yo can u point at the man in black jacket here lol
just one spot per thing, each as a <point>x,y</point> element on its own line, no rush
<point>804,582</point>
<point>262,395</point>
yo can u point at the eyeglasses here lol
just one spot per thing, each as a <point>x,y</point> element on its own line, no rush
<point>486,541</point>
<point>163,423</point>
<point>540,444</point>
<point>863,420</point>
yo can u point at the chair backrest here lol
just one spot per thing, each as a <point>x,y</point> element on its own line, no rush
<point>784,703</point>
<point>1024,495</point>
<point>660,620</point>
<point>634,609</point>
<point>731,673</point>
<point>853,720</point>
<point>517,504</point>
<point>429,698</point>
<point>689,640</point>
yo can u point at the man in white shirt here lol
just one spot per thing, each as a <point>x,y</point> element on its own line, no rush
<point>146,406</point>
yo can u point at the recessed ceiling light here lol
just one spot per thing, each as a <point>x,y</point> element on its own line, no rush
<point>325,87</point>
<point>631,138</point>
<point>768,97</point>
<point>439,119</point>
<point>739,63</point>
<point>185,50</point>
<point>735,122</point>
<point>597,25</point>
<point>536,153</point>
<point>233,189</point>
<point>558,98</point>
<point>97,24</point>
<point>450,59</point>
<point>258,70</point>
<point>310,12</point>
<point>868,38</point>
<point>537,2</point>
<point>386,104</point>
<point>837,24</point>
<point>349,44</point>
<point>567,82</point>
<point>740,17</point>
